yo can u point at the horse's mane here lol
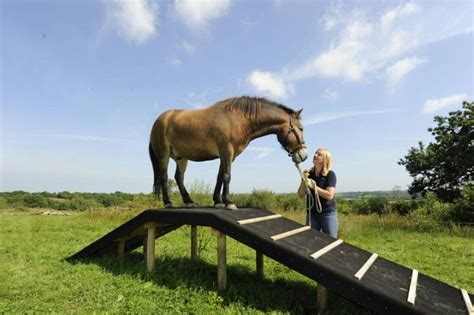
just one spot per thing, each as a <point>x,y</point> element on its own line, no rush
<point>251,107</point>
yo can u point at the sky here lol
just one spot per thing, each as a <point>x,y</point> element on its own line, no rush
<point>82,81</point>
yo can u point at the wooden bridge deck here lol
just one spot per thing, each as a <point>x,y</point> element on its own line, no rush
<point>382,286</point>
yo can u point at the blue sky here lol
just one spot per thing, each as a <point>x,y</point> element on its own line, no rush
<point>83,81</point>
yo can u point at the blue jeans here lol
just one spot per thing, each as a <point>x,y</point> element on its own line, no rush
<point>325,222</point>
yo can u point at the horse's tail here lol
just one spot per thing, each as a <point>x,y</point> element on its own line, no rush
<point>156,172</point>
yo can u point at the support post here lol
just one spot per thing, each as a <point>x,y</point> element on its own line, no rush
<point>194,242</point>
<point>145,240</point>
<point>150,246</point>
<point>221,261</point>
<point>120,248</point>
<point>259,263</point>
<point>322,298</point>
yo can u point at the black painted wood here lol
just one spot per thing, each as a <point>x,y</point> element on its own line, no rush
<point>384,288</point>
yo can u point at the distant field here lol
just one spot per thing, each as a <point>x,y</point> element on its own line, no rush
<point>36,278</point>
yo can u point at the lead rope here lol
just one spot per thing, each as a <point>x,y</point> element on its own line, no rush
<point>310,196</point>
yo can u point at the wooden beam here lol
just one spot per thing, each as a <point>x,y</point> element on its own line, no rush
<point>221,260</point>
<point>326,249</point>
<point>268,217</point>
<point>194,242</point>
<point>366,266</point>
<point>412,290</point>
<point>289,233</point>
<point>145,240</point>
<point>467,301</point>
<point>150,245</point>
<point>121,247</point>
<point>259,263</point>
<point>321,298</point>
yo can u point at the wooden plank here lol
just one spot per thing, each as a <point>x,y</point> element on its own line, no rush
<point>467,301</point>
<point>366,266</point>
<point>412,290</point>
<point>268,217</point>
<point>216,232</point>
<point>326,249</point>
<point>121,247</point>
<point>321,298</point>
<point>290,233</point>
<point>150,246</point>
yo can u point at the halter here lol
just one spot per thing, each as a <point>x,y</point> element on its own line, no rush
<point>298,140</point>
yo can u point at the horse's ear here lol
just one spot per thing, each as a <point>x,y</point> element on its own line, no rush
<point>298,114</point>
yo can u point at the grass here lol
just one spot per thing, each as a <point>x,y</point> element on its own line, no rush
<point>36,278</point>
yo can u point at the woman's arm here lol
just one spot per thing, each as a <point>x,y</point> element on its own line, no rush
<point>301,190</point>
<point>327,193</point>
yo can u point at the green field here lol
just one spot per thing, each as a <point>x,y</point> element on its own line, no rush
<point>36,278</point>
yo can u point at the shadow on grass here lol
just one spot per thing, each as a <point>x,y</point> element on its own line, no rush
<point>243,285</point>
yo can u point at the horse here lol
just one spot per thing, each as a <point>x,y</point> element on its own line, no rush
<point>223,131</point>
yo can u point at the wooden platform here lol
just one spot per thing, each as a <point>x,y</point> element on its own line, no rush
<point>362,277</point>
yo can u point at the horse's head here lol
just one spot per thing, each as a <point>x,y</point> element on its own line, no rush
<point>291,138</point>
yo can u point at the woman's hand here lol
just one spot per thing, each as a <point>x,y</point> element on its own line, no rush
<point>310,183</point>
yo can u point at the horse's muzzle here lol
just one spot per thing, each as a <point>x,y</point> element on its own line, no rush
<point>300,155</point>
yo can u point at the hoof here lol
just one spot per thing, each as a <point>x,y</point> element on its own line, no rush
<point>190,205</point>
<point>231,206</point>
<point>169,205</point>
<point>219,205</point>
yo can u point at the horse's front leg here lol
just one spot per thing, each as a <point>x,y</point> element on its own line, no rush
<point>217,190</point>
<point>181,165</point>
<point>226,163</point>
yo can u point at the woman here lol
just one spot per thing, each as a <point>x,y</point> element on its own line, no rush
<point>322,179</point>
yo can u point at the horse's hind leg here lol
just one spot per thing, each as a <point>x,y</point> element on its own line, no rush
<point>181,165</point>
<point>163,161</point>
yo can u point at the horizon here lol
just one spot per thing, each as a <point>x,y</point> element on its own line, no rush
<point>82,83</point>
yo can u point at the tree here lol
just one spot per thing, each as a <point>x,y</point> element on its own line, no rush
<point>446,165</point>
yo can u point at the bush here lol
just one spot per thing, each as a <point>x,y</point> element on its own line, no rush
<point>462,209</point>
<point>429,211</point>
<point>257,199</point>
<point>403,207</point>
<point>344,206</point>
<point>80,203</point>
<point>370,204</point>
<point>290,202</point>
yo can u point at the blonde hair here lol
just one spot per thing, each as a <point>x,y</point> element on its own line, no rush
<point>327,161</point>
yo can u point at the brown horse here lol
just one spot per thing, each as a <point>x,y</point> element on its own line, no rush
<point>222,131</point>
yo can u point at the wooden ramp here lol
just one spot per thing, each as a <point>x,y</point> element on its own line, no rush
<point>362,277</point>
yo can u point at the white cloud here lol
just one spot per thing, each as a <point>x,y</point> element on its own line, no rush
<point>324,117</point>
<point>248,23</point>
<point>367,41</point>
<point>84,138</point>
<point>188,47</point>
<point>261,152</point>
<point>330,94</point>
<point>435,104</point>
<point>135,20</point>
<point>331,18</point>
<point>174,61</point>
<point>269,83</point>
<point>398,70</point>
<point>197,14</point>
<point>196,100</point>
<point>391,16</point>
